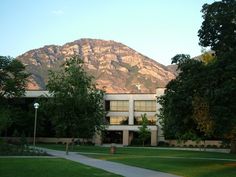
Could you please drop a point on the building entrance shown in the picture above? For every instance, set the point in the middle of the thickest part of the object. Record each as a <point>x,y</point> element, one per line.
<point>113,137</point>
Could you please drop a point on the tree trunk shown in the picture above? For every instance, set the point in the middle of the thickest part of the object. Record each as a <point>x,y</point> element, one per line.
<point>67,148</point>
<point>73,143</point>
<point>233,147</point>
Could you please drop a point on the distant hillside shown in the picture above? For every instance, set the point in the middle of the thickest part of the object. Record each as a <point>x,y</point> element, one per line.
<point>173,69</point>
<point>116,67</point>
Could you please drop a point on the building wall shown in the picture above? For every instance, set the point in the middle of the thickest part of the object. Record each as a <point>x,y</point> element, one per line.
<point>156,133</point>
<point>159,92</point>
<point>36,93</point>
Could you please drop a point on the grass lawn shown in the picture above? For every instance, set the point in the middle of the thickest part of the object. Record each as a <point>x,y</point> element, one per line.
<point>183,163</point>
<point>47,167</point>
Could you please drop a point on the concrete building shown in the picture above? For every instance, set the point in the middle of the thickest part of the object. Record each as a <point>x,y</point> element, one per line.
<point>124,116</point>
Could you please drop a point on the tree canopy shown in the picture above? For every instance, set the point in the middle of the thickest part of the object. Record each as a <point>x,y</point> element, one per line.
<point>76,106</point>
<point>201,101</point>
<point>12,77</point>
<point>218,30</point>
<point>177,111</point>
<point>144,131</point>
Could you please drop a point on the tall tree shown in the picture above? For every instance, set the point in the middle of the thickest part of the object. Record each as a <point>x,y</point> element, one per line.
<point>77,105</point>
<point>218,29</point>
<point>202,99</point>
<point>5,119</point>
<point>177,110</point>
<point>13,79</point>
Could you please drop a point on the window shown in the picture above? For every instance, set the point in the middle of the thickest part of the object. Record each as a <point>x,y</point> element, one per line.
<point>117,120</point>
<point>151,120</point>
<point>145,105</point>
<point>119,105</point>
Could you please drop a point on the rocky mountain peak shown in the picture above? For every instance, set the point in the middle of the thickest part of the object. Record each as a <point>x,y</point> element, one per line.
<point>115,66</point>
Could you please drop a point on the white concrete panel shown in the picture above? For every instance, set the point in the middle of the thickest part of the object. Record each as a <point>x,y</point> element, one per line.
<point>35,94</point>
<point>127,127</point>
<point>131,110</point>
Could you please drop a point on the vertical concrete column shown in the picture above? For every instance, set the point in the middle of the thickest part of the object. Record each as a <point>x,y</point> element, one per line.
<point>159,92</point>
<point>154,138</point>
<point>131,110</point>
<point>125,137</point>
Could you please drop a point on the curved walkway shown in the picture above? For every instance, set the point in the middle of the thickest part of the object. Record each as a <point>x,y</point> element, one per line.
<point>113,167</point>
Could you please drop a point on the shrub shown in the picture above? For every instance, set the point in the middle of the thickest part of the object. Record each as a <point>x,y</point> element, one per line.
<point>19,150</point>
<point>225,144</point>
<point>214,146</point>
<point>163,144</point>
<point>201,146</point>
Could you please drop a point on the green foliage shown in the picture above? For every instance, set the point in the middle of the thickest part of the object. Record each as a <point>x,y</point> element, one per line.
<point>218,32</point>
<point>202,115</point>
<point>222,95</point>
<point>23,140</point>
<point>201,101</point>
<point>12,77</point>
<point>218,28</point>
<point>21,114</point>
<point>5,118</point>
<point>77,106</point>
<point>12,84</point>
<point>15,133</point>
<point>19,150</point>
<point>176,112</point>
<point>144,132</point>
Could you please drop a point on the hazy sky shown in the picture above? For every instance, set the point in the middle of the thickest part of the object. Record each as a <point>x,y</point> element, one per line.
<point>158,29</point>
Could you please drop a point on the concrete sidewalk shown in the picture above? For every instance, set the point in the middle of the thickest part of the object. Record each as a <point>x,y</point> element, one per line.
<point>113,167</point>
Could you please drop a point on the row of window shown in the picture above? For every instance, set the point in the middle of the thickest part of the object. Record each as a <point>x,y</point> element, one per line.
<point>123,105</point>
<point>142,106</point>
<point>123,120</point>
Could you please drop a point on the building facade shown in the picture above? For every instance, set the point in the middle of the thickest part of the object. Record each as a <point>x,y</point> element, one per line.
<point>124,117</point>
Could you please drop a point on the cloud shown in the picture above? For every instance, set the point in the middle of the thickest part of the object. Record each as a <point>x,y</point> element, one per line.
<point>57,12</point>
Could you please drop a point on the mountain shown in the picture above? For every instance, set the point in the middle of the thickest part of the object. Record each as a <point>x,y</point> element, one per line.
<point>116,67</point>
<point>173,68</point>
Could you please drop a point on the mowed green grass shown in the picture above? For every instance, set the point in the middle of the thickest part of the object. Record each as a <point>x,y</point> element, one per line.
<point>183,167</point>
<point>47,167</point>
<point>183,163</point>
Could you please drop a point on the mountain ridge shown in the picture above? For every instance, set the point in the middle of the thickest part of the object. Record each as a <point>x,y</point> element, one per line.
<point>116,67</point>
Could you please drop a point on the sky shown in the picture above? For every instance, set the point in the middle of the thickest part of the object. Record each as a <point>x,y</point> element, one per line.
<point>158,29</point>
